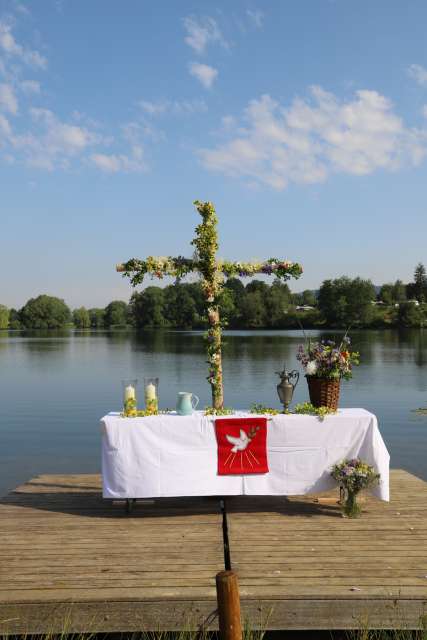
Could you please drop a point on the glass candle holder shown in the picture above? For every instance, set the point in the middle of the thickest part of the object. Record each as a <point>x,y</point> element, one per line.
<point>129,397</point>
<point>151,394</point>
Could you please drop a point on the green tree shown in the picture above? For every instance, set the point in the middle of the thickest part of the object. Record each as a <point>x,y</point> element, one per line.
<point>186,311</point>
<point>45,312</point>
<point>196,292</point>
<point>180,308</point>
<point>257,285</point>
<point>236,286</point>
<point>345,301</point>
<point>297,299</point>
<point>399,291</point>
<point>147,308</point>
<point>116,314</point>
<point>97,318</point>
<point>410,315</point>
<point>386,294</point>
<point>4,317</point>
<point>308,298</point>
<point>359,297</point>
<point>420,282</point>
<point>227,307</point>
<point>253,310</point>
<point>14,319</point>
<point>278,285</point>
<point>276,302</point>
<point>81,318</point>
<point>393,293</point>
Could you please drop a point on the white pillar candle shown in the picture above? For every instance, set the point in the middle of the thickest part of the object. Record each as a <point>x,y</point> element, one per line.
<point>129,393</point>
<point>150,392</point>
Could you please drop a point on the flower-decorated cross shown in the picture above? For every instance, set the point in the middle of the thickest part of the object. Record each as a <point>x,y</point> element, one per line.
<point>213,272</point>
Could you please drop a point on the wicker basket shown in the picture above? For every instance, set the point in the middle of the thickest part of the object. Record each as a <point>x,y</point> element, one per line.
<point>324,392</point>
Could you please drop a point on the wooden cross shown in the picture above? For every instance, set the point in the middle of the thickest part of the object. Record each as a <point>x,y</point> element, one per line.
<point>213,272</point>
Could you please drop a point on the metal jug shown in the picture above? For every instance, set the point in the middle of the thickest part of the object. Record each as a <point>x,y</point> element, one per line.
<point>285,388</point>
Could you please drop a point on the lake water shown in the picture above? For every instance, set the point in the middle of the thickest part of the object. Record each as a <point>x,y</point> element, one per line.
<point>54,387</point>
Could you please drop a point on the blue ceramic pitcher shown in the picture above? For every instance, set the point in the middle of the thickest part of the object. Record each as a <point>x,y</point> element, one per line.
<point>186,403</point>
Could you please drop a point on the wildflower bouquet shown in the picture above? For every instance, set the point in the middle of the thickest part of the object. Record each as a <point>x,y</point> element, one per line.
<point>327,360</point>
<point>325,363</point>
<point>353,476</point>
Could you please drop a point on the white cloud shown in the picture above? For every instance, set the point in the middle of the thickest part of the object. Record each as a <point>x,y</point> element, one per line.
<point>21,8</point>
<point>418,73</point>
<point>30,86</point>
<point>3,70</point>
<point>11,48</point>
<point>8,159</point>
<point>202,32</point>
<point>131,162</point>
<point>204,73</point>
<point>175,107</point>
<point>256,17</point>
<point>108,163</point>
<point>5,128</point>
<point>8,101</point>
<point>153,108</point>
<point>228,122</point>
<point>188,107</point>
<point>53,143</point>
<point>312,139</point>
<point>133,133</point>
<point>59,135</point>
<point>111,163</point>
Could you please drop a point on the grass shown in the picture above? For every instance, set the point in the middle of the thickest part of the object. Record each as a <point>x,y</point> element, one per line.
<point>248,634</point>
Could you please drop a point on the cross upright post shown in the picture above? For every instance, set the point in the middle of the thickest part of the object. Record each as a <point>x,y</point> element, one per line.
<point>212,273</point>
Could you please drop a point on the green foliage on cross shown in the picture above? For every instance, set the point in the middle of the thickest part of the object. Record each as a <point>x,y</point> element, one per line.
<point>212,272</point>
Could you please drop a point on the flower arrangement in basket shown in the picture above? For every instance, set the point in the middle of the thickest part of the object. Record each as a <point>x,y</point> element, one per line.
<point>353,476</point>
<point>325,364</point>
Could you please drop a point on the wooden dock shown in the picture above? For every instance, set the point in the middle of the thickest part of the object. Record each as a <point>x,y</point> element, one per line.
<point>70,561</point>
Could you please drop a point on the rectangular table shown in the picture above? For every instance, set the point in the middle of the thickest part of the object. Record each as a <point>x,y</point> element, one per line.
<point>170,455</point>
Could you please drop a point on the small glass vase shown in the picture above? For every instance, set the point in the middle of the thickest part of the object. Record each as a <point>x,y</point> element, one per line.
<point>351,508</point>
<point>129,397</point>
<point>151,394</point>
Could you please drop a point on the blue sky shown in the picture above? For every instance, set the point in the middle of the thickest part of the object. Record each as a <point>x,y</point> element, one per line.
<point>305,122</point>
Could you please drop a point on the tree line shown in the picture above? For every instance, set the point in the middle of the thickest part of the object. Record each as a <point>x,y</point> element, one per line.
<point>339,302</point>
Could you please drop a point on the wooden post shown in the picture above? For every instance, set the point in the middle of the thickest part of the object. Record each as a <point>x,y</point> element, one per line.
<point>214,333</point>
<point>227,593</point>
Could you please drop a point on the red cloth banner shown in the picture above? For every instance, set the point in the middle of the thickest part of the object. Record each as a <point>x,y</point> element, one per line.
<point>242,445</point>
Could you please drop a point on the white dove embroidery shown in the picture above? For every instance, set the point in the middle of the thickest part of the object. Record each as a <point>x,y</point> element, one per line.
<point>241,443</point>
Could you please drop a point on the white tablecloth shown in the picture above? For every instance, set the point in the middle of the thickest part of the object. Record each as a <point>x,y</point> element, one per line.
<point>170,455</point>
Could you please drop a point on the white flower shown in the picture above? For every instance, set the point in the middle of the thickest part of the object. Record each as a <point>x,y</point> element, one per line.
<point>311,368</point>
